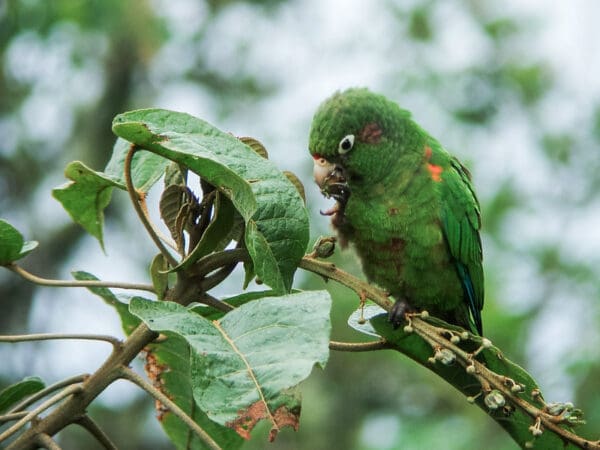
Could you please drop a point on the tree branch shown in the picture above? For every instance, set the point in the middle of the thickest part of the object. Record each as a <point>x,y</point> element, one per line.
<point>76,405</point>
<point>78,283</point>
<point>330,271</point>
<point>9,417</point>
<point>360,346</point>
<point>47,390</point>
<point>130,375</point>
<point>56,336</point>
<point>47,442</point>
<point>92,427</point>
<point>215,261</point>
<point>447,352</point>
<point>73,389</point>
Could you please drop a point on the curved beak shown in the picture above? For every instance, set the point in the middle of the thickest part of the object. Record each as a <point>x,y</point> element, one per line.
<point>330,178</point>
<point>322,170</point>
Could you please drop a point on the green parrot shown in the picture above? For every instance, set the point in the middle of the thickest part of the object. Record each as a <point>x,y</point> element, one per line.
<point>404,202</point>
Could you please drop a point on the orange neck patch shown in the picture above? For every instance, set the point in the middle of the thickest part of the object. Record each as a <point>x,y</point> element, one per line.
<point>434,169</point>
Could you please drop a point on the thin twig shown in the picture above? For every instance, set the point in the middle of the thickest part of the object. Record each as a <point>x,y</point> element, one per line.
<point>94,429</point>
<point>359,346</point>
<point>330,271</point>
<point>47,390</point>
<point>130,375</point>
<point>213,280</point>
<point>214,302</point>
<point>47,442</point>
<point>143,216</point>
<point>9,417</point>
<point>78,283</point>
<point>217,260</point>
<point>73,389</point>
<point>54,336</point>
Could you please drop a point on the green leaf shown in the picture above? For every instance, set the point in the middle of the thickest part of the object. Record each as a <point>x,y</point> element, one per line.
<point>86,196</point>
<point>128,321</point>
<point>14,393</point>
<point>89,192</point>
<point>276,219</point>
<point>244,365</point>
<point>159,275</point>
<point>146,168</point>
<point>168,367</point>
<point>12,244</point>
<point>516,422</point>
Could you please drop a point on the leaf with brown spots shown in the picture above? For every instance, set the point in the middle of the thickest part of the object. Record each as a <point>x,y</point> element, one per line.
<point>245,366</point>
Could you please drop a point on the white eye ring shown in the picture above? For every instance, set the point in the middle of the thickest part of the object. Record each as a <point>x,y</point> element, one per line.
<point>346,144</point>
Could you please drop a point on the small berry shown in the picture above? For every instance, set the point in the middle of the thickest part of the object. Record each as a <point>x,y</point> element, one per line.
<point>445,356</point>
<point>494,400</point>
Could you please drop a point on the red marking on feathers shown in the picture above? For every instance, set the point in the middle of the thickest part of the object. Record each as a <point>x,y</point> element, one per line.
<point>317,156</point>
<point>371,133</point>
<point>435,171</point>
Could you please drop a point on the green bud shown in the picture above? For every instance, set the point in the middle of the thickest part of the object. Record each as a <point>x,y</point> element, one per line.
<point>324,247</point>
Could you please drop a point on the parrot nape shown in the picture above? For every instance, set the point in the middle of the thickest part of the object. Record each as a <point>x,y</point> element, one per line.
<point>404,202</point>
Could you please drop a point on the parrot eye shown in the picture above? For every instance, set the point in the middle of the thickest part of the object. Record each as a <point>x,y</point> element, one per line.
<point>346,144</point>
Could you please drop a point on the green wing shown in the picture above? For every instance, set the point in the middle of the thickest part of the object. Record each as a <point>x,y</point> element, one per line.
<point>461,222</point>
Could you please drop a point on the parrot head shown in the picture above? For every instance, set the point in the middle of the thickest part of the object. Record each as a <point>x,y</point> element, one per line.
<point>354,139</point>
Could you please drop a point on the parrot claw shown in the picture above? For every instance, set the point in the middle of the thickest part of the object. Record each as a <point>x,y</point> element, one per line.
<point>398,313</point>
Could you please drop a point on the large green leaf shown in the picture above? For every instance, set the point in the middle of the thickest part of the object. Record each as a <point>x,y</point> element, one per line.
<point>276,219</point>
<point>245,365</point>
<point>514,421</point>
<point>14,393</point>
<point>12,244</point>
<point>169,368</point>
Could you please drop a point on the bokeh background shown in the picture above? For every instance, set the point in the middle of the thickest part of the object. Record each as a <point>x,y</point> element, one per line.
<point>512,88</point>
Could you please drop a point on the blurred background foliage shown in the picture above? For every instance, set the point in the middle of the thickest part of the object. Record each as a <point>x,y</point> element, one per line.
<point>511,87</point>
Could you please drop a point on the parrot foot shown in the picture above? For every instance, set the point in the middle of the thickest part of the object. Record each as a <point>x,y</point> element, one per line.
<point>398,313</point>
